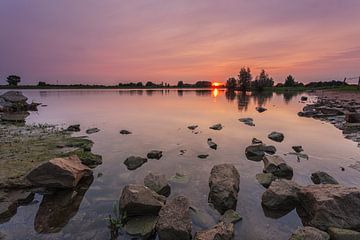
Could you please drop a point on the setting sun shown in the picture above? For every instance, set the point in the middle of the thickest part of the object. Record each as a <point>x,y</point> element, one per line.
<point>216,84</point>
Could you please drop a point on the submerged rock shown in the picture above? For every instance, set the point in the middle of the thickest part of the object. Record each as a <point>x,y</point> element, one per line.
<point>260,109</point>
<point>180,178</point>
<point>92,130</point>
<point>143,227</point>
<point>256,152</point>
<point>125,132</point>
<point>88,158</point>
<point>230,216</point>
<point>134,162</point>
<point>59,173</point>
<point>217,126</point>
<point>202,218</point>
<point>309,233</point>
<point>74,128</point>
<point>330,205</point>
<point>277,166</point>
<point>158,183</point>
<point>224,187</point>
<point>223,231</point>
<point>10,200</point>
<point>247,121</point>
<point>174,220</point>
<point>281,195</point>
<point>322,178</point>
<point>265,179</point>
<point>276,136</point>
<point>343,234</point>
<point>138,200</point>
<point>211,144</point>
<point>155,154</point>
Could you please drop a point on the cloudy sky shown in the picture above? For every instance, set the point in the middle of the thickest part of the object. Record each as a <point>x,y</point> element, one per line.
<point>111,41</point>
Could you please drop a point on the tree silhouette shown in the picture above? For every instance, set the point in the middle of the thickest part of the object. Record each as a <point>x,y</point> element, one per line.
<point>244,79</point>
<point>13,80</point>
<point>289,81</point>
<point>262,81</point>
<point>231,83</point>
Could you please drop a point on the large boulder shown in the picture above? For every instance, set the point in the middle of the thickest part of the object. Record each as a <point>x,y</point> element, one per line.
<point>322,178</point>
<point>224,187</point>
<point>59,173</point>
<point>158,183</point>
<point>330,205</point>
<point>309,233</point>
<point>343,234</point>
<point>14,97</point>
<point>256,152</point>
<point>138,200</point>
<point>174,220</point>
<point>277,166</point>
<point>142,227</point>
<point>223,231</point>
<point>281,195</point>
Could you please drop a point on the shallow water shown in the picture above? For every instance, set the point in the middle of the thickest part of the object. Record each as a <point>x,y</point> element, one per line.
<point>159,120</point>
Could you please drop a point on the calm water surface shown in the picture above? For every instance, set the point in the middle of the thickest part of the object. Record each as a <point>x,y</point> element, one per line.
<point>159,120</point>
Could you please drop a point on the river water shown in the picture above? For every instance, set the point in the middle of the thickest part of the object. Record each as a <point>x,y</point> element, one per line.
<point>158,120</point>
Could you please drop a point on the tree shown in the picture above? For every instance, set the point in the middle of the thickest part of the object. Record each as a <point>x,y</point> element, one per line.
<point>231,83</point>
<point>139,84</point>
<point>13,80</point>
<point>289,81</point>
<point>42,84</point>
<point>262,81</point>
<point>244,79</point>
<point>180,84</point>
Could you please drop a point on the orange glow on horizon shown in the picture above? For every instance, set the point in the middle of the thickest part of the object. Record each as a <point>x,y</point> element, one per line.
<point>217,84</point>
<point>215,92</point>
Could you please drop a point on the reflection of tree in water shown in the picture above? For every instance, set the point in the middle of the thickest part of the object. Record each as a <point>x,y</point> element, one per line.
<point>180,93</point>
<point>56,210</point>
<point>261,98</point>
<point>243,101</point>
<point>202,93</point>
<point>230,95</point>
<point>289,95</point>
<point>131,92</point>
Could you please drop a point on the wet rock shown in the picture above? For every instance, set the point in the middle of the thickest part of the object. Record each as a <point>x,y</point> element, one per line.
<point>322,178</point>
<point>134,162</point>
<point>74,128</point>
<point>256,141</point>
<point>203,156</point>
<point>330,205</point>
<point>256,152</point>
<point>10,200</point>
<point>92,130</point>
<point>14,116</point>
<point>265,179</point>
<point>174,220</point>
<point>352,117</point>
<point>221,231</point>
<point>276,136</point>
<point>304,98</point>
<point>230,216</point>
<point>281,195</point>
<point>211,144</point>
<point>59,173</point>
<point>224,187</point>
<point>217,126</point>
<point>309,233</point>
<point>192,127</point>
<point>277,166</point>
<point>58,208</point>
<point>298,149</point>
<point>143,227</point>
<point>343,234</point>
<point>158,183</point>
<point>138,200</point>
<point>88,158</point>
<point>247,121</point>
<point>125,132</point>
<point>202,218</point>
<point>155,154</point>
<point>260,109</point>
<point>14,97</point>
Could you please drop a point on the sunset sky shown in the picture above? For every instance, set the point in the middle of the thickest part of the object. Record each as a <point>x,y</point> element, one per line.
<point>112,41</point>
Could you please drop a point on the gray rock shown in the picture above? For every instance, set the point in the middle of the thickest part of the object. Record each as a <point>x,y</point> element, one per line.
<point>230,216</point>
<point>192,127</point>
<point>224,187</point>
<point>281,195</point>
<point>247,121</point>
<point>330,205</point>
<point>59,173</point>
<point>155,154</point>
<point>125,132</point>
<point>256,141</point>
<point>260,109</point>
<point>14,116</point>
<point>138,200</point>
<point>211,144</point>
<point>217,126</point>
<point>10,200</point>
<point>256,152</point>
<point>143,227</point>
<point>309,233</point>
<point>74,128</point>
<point>276,136</point>
<point>203,156</point>
<point>202,218</point>
<point>174,220</point>
<point>298,149</point>
<point>343,234</point>
<point>92,130</point>
<point>14,97</point>
<point>277,166</point>
<point>221,231</point>
<point>134,162</point>
<point>322,178</point>
<point>158,183</point>
<point>265,179</point>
